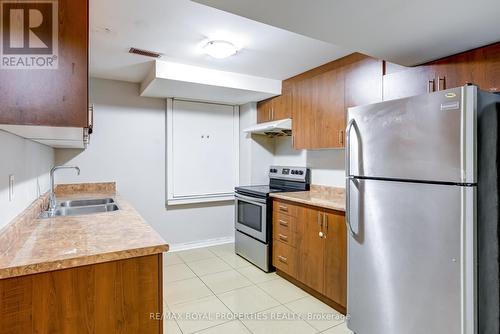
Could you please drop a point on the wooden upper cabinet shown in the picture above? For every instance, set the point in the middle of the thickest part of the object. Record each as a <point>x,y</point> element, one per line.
<point>51,96</point>
<point>310,246</point>
<point>492,68</point>
<point>328,104</point>
<point>282,108</point>
<point>318,111</point>
<point>335,285</point>
<point>277,108</point>
<point>479,66</point>
<point>321,97</point>
<point>264,111</point>
<point>304,122</point>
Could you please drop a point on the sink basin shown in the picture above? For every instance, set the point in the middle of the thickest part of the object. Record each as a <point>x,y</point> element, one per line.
<point>86,202</point>
<point>79,210</point>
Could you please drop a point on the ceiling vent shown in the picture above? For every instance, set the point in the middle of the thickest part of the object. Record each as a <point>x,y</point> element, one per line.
<point>145,53</point>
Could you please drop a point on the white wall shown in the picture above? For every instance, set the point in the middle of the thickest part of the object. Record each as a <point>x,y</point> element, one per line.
<point>256,152</point>
<point>327,166</point>
<point>30,164</point>
<point>128,146</point>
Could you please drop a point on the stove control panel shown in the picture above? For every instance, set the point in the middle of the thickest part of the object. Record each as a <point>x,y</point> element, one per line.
<point>289,173</point>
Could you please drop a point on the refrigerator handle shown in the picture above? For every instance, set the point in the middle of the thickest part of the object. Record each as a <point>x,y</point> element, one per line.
<point>350,125</point>
<point>348,176</point>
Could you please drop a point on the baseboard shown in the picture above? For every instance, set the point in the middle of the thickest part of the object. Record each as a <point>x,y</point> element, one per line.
<point>200,244</point>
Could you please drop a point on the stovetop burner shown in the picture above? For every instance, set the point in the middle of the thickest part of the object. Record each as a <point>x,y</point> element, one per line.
<point>262,190</point>
<point>281,179</point>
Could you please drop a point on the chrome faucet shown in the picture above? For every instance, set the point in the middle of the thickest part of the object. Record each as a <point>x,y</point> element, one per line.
<point>52,195</point>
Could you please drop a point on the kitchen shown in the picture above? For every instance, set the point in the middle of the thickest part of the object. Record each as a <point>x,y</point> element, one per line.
<point>204,187</point>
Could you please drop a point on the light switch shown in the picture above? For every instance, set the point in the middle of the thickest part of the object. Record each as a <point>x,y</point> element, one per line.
<point>11,187</point>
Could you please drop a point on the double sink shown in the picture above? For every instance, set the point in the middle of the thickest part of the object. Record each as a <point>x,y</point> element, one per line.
<point>81,207</point>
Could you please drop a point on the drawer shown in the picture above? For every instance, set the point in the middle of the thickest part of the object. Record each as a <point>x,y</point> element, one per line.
<point>284,229</point>
<point>285,208</point>
<point>284,222</point>
<point>284,258</point>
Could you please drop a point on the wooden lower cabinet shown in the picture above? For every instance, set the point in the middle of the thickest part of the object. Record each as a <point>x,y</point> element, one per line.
<point>311,248</point>
<point>105,298</point>
<point>316,259</point>
<point>336,258</point>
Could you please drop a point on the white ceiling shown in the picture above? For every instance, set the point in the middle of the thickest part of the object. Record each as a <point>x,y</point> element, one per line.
<point>406,32</point>
<point>176,28</point>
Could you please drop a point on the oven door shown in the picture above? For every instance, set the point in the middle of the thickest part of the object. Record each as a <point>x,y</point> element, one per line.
<point>251,216</point>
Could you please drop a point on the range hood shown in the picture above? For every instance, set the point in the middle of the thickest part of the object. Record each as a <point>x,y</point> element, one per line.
<point>282,127</point>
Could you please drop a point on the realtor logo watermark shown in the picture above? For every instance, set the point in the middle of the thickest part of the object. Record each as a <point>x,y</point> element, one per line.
<point>29,34</point>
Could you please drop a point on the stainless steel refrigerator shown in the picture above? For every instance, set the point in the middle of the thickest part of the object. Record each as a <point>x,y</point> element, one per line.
<point>412,215</point>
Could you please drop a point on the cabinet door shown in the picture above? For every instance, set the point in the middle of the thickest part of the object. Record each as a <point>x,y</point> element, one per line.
<point>492,68</point>
<point>282,104</point>
<point>310,248</point>
<point>264,111</point>
<point>56,96</point>
<point>328,108</point>
<point>304,121</point>
<point>409,82</point>
<point>335,286</point>
<point>458,70</point>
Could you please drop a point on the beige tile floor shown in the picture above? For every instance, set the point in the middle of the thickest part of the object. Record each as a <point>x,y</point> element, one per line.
<point>213,291</point>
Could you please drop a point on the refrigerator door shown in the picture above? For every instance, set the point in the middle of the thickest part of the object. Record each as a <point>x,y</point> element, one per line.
<point>411,258</point>
<point>429,137</point>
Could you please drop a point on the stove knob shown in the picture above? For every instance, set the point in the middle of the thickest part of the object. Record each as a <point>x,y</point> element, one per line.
<point>301,172</point>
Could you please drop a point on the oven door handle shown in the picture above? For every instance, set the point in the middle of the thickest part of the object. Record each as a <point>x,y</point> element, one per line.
<point>253,200</point>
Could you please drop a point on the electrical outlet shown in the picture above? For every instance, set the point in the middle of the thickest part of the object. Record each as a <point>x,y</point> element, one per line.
<point>11,187</point>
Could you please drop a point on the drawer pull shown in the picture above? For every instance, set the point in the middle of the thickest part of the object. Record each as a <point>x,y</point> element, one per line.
<point>283,208</point>
<point>282,259</point>
<point>283,237</point>
<point>283,223</point>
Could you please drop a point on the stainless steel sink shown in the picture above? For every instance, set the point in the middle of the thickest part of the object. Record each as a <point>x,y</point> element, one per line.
<point>86,202</point>
<point>79,210</point>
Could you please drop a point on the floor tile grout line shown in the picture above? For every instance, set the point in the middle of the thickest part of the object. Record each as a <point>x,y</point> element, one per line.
<point>252,284</point>
<point>319,331</point>
<point>222,304</point>
<point>214,294</point>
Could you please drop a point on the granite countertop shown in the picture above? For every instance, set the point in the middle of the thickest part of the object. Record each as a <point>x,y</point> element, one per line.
<point>321,196</point>
<point>29,245</point>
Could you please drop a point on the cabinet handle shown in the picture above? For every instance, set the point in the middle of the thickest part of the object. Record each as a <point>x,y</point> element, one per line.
<point>282,259</point>
<point>441,79</point>
<point>283,237</point>
<point>283,208</point>
<point>283,223</point>
<point>90,118</point>
<point>431,86</point>
<point>322,235</point>
<point>341,137</point>
<point>325,217</point>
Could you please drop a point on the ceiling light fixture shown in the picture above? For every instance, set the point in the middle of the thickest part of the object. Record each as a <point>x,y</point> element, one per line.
<point>220,49</point>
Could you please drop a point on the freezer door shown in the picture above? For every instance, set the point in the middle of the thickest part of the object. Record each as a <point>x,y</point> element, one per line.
<point>411,258</point>
<point>429,137</point>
